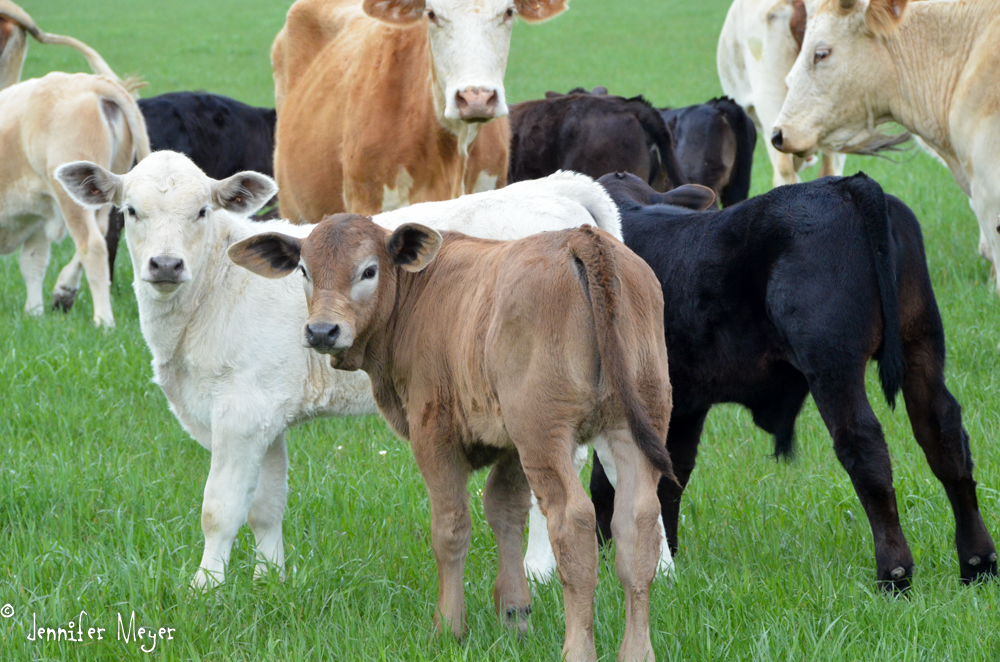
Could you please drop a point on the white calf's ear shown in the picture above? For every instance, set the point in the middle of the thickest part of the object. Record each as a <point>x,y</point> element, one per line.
<point>271,254</point>
<point>90,185</point>
<point>413,246</point>
<point>397,12</point>
<point>243,193</point>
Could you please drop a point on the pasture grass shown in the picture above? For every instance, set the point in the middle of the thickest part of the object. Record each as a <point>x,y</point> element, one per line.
<point>100,489</point>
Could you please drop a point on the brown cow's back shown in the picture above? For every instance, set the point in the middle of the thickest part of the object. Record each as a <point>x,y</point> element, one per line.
<point>356,120</point>
<point>521,339</point>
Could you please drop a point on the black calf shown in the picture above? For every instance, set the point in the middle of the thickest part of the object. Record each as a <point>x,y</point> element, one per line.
<point>794,292</point>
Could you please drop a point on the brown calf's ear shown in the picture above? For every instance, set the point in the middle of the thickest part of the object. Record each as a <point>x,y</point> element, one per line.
<point>243,193</point>
<point>396,12</point>
<point>884,16</point>
<point>689,196</point>
<point>540,10</point>
<point>798,23</point>
<point>271,254</point>
<point>90,185</point>
<point>413,246</point>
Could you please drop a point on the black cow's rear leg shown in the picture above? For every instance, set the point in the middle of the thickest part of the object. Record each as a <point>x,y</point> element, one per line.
<point>861,449</point>
<point>682,442</point>
<point>937,424</point>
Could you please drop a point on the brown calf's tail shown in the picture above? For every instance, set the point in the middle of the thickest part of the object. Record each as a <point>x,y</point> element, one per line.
<point>116,92</point>
<point>594,257</point>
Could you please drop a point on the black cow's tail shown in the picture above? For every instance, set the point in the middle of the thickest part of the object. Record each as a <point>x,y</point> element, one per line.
<point>654,126</point>
<point>597,269</point>
<point>875,219</point>
<point>738,188</point>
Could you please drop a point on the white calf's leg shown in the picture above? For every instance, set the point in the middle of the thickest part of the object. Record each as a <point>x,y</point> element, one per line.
<point>539,559</point>
<point>34,260</point>
<point>603,451</point>
<point>229,493</point>
<point>268,509</point>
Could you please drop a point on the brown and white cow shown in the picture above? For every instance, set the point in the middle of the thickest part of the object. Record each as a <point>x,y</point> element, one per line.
<point>508,354</point>
<point>45,122</point>
<point>930,66</point>
<point>385,103</point>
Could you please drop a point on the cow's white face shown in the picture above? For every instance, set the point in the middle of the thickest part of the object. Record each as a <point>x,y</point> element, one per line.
<point>833,84</point>
<point>469,42</point>
<point>168,204</point>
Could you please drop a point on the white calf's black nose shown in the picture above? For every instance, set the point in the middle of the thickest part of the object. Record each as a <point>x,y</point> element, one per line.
<point>163,268</point>
<point>322,336</point>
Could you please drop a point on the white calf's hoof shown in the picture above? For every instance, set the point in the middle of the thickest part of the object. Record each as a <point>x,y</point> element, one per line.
<point>34,311</point>
<point>102,323</point>
<point>540,570</point>
<point>204,580</point>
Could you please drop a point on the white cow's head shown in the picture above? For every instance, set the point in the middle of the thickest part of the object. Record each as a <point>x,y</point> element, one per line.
<point>840,71</point>
<point>469,42</point>
<point>169,204</point>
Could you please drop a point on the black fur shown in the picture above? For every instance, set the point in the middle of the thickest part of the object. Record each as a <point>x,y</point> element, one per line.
<point>792,293</point>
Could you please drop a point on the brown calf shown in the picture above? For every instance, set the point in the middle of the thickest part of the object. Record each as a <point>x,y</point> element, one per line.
<point>505,353</point>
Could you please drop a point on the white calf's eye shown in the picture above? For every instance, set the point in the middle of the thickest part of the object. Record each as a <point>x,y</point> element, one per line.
<point>202,212</point>
<point>369,273</point>
<point>821,54</point>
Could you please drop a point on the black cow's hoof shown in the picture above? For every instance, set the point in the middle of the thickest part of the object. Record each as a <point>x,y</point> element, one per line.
<point>63,299</point>
<point>979,568</point>
<point>897,581</point>
<point>516,618</point>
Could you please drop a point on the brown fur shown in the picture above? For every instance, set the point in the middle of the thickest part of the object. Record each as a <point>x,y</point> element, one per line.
<point>355,107</point>
<point>526,348</point>
<point>798,23</point>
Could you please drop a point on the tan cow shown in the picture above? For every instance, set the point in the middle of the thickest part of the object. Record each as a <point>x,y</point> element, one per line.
<point>931,66</point>
<point>386,103</point>
<point>45,122</point>
<point>15,24</point>
<point>508,354</point>
<point>757,48</point>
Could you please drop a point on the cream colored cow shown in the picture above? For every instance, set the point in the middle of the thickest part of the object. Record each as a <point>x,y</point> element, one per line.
<point>931,66</point>
<point>45,122</point>
<point>757,48</point>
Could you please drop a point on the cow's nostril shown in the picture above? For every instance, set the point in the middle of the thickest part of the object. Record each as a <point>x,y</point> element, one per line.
<point>777,139</point>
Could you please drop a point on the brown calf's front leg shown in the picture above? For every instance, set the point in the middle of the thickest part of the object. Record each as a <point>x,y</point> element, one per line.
<point>446,474</point>
<point>506,500</point>
<point>547,458</point>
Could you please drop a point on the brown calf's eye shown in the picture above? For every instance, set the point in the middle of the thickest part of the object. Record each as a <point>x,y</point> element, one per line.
<point>369,273</point>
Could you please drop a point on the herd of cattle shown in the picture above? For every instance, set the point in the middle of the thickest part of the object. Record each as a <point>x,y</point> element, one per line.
<point>509,285</point>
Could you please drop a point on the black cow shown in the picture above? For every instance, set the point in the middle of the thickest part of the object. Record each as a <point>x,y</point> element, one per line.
<point>793,293</point>
<point>594,134</point>
<point>714,143</point>
<point>221,135</point>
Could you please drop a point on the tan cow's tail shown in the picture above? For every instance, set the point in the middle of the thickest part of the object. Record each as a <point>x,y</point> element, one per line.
<point>596,266</point>
<point>116,92</point>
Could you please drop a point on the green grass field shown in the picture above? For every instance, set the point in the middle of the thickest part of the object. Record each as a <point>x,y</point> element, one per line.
<point>100,489</point>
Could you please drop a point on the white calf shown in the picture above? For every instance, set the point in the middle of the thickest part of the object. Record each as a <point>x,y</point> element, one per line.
<point>45,122</point>
<point>227,346</point>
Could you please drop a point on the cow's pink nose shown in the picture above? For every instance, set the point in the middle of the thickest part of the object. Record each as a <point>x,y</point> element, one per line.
<point>476,104</point>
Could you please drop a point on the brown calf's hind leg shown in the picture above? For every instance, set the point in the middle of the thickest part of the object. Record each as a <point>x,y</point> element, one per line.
<point>506,500</point>
<point>636,529</point>
<point>937,425</point>
<point>546,456</point>
<point>446,474</point>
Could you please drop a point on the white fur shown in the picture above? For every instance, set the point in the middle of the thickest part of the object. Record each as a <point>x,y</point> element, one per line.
<point>228,346</point>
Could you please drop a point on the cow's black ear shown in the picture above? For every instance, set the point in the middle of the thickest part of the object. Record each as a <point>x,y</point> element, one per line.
<point>271,254</point>
<point>413,246</point>
<point>689,196</point>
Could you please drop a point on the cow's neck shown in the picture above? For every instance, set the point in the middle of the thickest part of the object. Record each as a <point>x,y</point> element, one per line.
<point>930,53</point>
